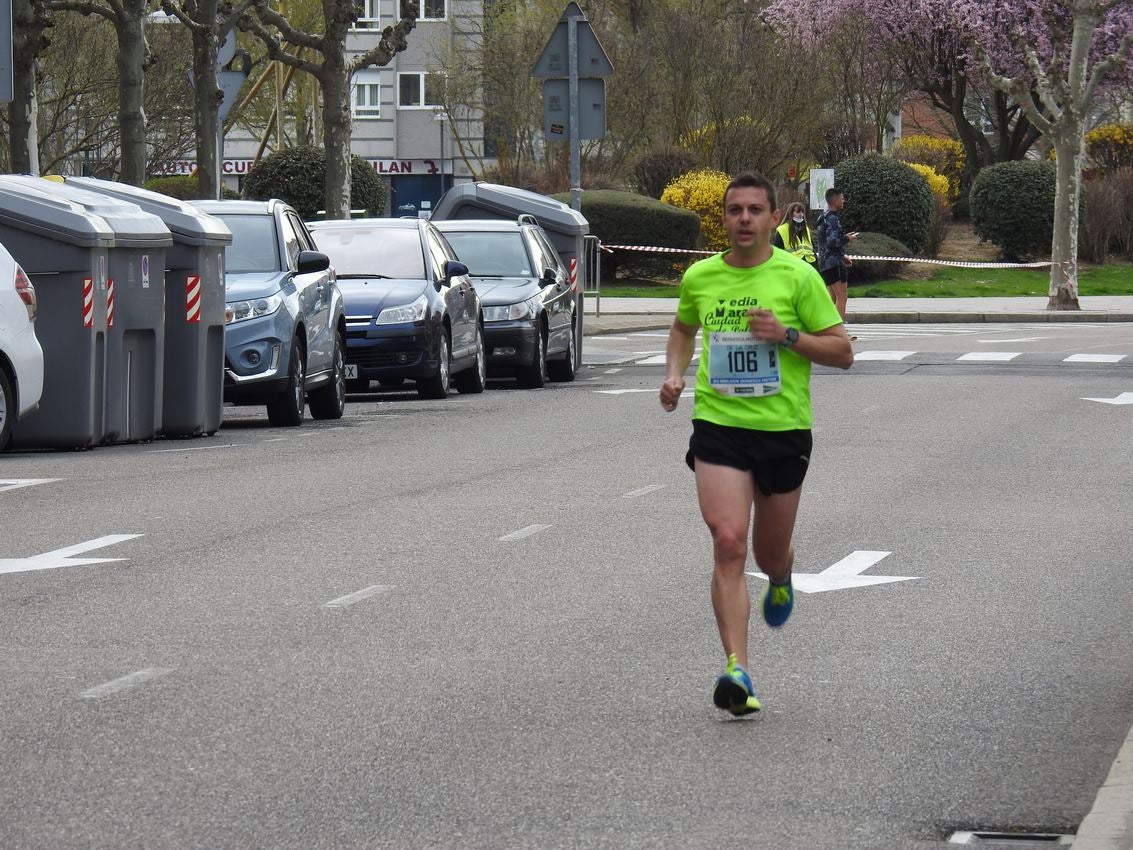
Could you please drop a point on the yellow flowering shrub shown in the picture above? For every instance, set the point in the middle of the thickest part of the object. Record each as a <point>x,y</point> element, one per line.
<point>1110,146</point>
<point>702,192</point>
<point>944,156</point>
<point>937,182</point>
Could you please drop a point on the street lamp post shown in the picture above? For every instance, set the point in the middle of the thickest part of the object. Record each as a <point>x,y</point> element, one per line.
<point>439,115</point>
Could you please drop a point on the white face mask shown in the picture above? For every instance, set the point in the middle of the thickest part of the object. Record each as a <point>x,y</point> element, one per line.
<point>798,219</point>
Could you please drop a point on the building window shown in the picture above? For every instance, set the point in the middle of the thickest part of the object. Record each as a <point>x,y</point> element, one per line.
<point>419,90</point>
<point>370,18</point>
<point>430,10</point>
<point>367,99</point>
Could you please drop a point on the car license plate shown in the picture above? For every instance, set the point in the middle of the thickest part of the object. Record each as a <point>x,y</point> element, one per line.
<point>351,371</point>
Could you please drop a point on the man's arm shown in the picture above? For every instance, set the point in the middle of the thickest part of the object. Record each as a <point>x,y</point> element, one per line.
<point>830,347</point>
<point>678,355</point>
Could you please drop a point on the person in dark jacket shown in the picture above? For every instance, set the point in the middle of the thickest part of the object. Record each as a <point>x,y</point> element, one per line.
<point>833,263</point>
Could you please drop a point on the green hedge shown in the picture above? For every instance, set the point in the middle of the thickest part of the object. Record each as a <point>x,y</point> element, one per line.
<point>298,176</point>
<point>183,187</point>
<point>623,218</point>
<point>884,195</point>
<point>877,245</point>
<point>1012,206</point>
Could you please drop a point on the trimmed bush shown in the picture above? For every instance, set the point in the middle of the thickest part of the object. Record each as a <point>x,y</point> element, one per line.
<point>884,195</point>
<point>183,187</point>
<point>623,218</point>
<point>702,192</point>
<point>659,167</point>
<point>1110,146</point>
<point>876,245</point>
<point>298,176</point>
<point>1012,206</point>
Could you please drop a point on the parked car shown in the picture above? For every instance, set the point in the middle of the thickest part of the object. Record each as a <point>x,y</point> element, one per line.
<point>411,311</point>
<point>285,327</point>
<point>529,306</point>
<point>21,358</point>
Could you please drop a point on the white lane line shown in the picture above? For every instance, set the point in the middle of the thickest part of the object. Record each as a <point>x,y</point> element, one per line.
<point>123,682</point>
<point>613,371</point>
<point>656,336</point>
<point>603,338</point>
<point>659,360</point>
<point>1020,339</point>
<point>990,356</point>
<point>1094,358</point>
<point>194,449</point>
<point>276,440</point>
<point>633,494</point>
<point>524,532</point>
<point>882,355</point>
<point>357,596</point>
<point>7,484</point>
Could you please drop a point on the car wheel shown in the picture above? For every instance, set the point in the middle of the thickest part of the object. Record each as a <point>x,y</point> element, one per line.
<point>563,370</point>
<point>437,385</point>
<point>472,381</point>
<point>329,402</point>
<point>7,409</point>
<point>534,375</point>
<point>287,407</point>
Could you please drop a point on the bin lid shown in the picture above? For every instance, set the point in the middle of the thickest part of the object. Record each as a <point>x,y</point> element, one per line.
<point>133,227</point>
<point>492,200</point>
<point>26,207</point>
<point>189,225</point>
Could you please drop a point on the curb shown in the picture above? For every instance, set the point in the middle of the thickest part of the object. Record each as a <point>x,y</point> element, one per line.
<point>1109,825</point>
<point>890,317</point>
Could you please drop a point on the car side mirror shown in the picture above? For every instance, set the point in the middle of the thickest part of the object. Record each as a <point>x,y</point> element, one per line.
<point>312,261</point>
<point>454,268</point>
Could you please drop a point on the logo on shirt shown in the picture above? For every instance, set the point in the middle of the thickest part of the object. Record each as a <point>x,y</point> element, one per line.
<point>729,314</point>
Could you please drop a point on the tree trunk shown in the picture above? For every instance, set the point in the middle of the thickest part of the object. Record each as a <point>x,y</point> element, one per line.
<point>336,138</point>
<point>206,96</point>
<point>131,90</point>
<point>1070,148</point>
<point>27,39</point>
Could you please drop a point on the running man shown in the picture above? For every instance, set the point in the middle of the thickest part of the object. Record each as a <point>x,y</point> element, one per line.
<point>766,318</point>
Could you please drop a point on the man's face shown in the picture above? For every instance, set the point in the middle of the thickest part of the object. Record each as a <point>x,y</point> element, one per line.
<point>837,202</point>
<point>748,217</point>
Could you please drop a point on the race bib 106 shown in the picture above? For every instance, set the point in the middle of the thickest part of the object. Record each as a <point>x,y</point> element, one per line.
<point>739,365</point>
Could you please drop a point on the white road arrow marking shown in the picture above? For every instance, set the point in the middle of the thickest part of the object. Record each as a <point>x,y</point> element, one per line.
<point>1124,398</point>
<point>844,574</point>
<point>65,557</point>
<point>15,483</point>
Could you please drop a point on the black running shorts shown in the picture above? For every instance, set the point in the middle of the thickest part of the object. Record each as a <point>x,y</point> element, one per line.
<point>777,460</point>
<point>835,274</point>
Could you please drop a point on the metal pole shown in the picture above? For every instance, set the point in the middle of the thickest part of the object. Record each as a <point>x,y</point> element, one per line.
<point>575,148</point>
<point>219,155</point>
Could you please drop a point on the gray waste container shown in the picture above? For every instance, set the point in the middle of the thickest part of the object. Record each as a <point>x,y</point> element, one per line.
<point>135,308</point>
<point>193,393</point>
<point>64,250</point>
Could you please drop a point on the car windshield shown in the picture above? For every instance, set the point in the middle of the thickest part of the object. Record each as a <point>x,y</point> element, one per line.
<point>254,247</point>
<point>373,251</point>
<point>491,254</point>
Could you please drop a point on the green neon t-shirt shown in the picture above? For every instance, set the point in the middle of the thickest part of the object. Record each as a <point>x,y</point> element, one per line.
<point>717,296</point>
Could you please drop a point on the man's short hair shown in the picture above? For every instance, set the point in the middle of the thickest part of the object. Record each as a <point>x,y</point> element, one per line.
<point>751,180</point>
<point>832,193</point>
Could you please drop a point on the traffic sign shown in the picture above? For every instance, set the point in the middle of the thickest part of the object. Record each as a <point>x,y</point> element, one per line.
<point>554,60</point>
<point>591,109</point>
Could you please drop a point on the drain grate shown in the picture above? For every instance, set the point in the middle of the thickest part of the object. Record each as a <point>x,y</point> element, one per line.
<point>1011,839</point>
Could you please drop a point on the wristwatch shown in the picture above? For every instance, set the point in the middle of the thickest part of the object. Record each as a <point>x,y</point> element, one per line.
<point>791,338</point>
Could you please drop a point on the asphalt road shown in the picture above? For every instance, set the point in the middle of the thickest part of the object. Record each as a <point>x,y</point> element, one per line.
<point>484,622</point>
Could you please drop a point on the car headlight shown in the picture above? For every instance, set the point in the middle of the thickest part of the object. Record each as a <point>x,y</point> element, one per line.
<point>512,312</point>
<point>241,311</point>
<point>414,312</point>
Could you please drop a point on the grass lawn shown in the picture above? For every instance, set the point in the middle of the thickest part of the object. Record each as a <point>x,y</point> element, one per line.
<point>945,282</point>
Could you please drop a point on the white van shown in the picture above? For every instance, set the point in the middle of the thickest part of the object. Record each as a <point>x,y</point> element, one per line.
<point>21,358</point>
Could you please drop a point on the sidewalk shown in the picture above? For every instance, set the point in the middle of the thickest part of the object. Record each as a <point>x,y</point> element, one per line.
<point>617,315</point>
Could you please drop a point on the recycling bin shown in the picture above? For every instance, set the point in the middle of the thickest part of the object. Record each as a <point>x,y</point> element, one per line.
<point>135,312</point>
<point>64,249</point>
<point>193,391</point>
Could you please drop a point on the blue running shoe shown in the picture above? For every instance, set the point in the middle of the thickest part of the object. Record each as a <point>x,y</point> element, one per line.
<point>734,691</point>
<point>777,604</point>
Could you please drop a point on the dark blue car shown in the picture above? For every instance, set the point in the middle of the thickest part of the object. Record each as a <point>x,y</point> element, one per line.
<point>411,311</point>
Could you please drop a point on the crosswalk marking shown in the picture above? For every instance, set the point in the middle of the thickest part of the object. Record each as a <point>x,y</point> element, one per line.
<point>882,355</point>
<point>1094,358</point>
<point>990,356</point>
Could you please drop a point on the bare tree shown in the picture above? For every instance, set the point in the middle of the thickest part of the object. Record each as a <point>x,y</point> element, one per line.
<point>334,73</point>
<point>29,22</point>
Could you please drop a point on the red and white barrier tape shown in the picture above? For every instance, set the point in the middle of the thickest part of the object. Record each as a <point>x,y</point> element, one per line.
<point>957,263</point>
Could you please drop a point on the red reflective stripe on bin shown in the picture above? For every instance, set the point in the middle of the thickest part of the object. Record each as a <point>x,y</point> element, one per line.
<point>574,274</point>
<point>193,298</point>
<point>110,302</point>
<point>88,302</point>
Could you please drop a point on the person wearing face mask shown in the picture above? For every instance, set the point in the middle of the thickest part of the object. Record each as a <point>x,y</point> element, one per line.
<point>794,235</point>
